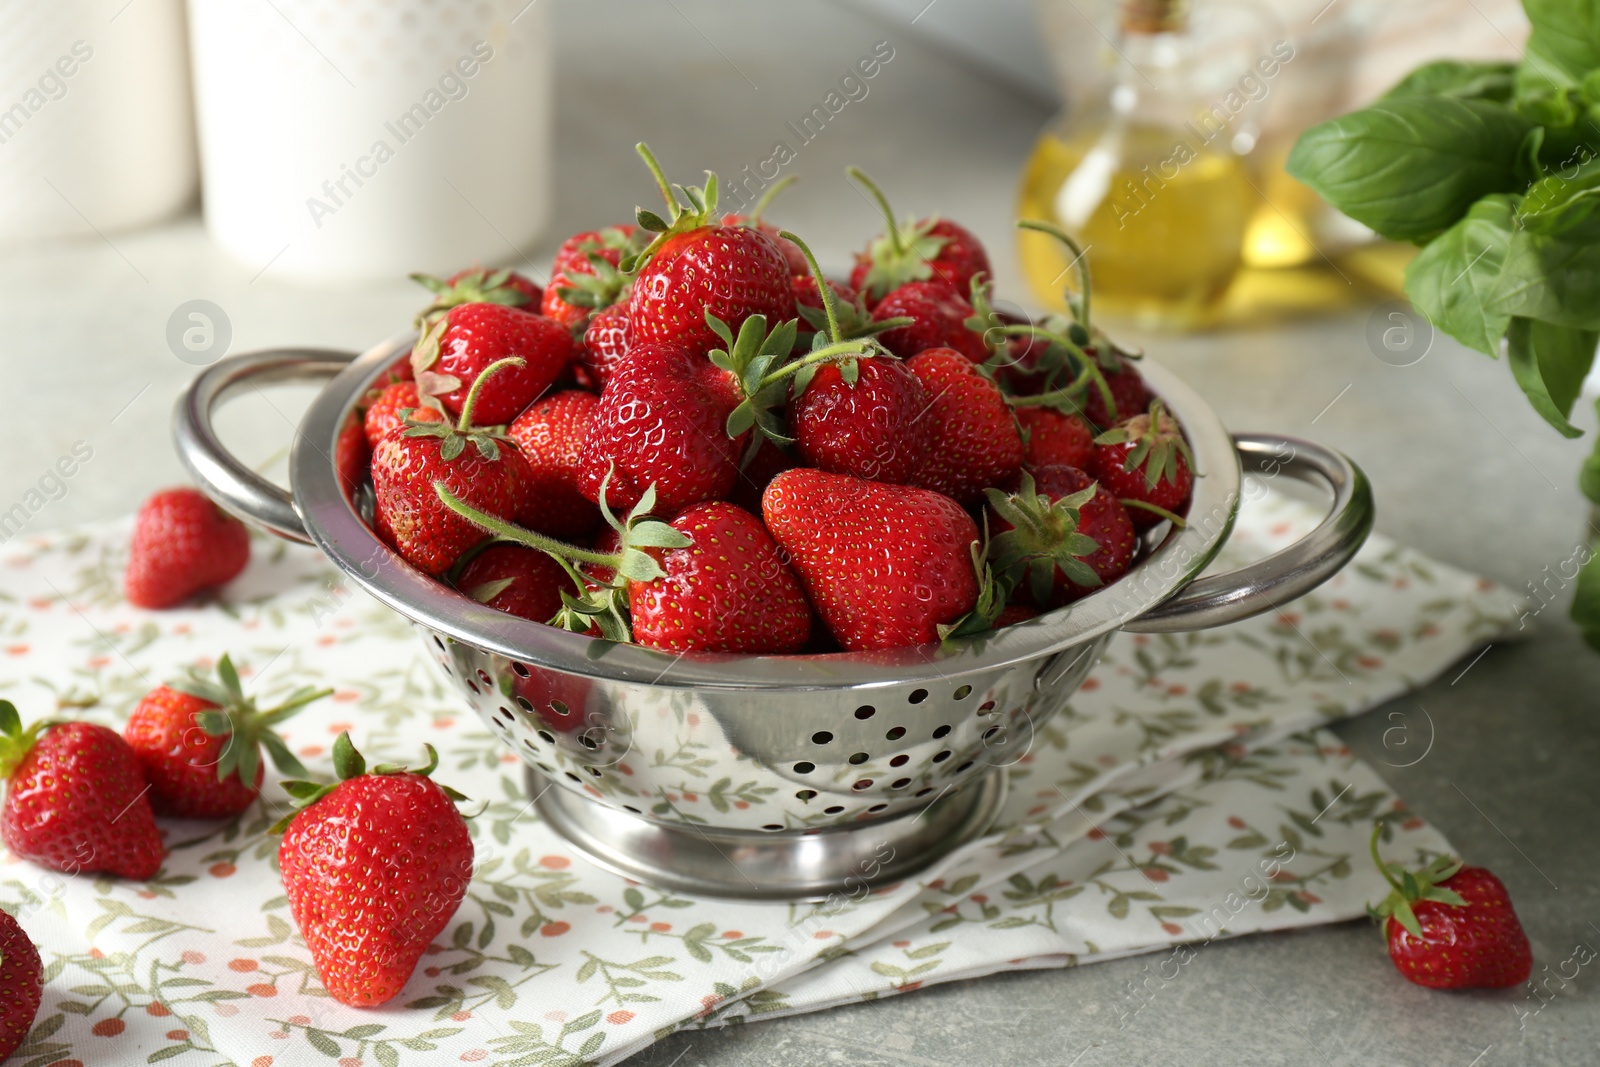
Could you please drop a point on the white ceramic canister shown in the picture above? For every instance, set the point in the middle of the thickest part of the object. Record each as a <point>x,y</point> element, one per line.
<point>359,139</point>
<point>95,128</point>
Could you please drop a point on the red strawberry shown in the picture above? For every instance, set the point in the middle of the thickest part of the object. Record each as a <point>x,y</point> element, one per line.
<point>449,358</point>
<point>388,409</point>
<point>757,472</point>
<point>938,320</point>
<point>727,590</point>
<point>551,434</point>
<point>933,249</point>
<point>1098,517</point>
<point>182,544</point>
<point>877,427</point>
<point>1129,394</point>
<point>352,456</point>
<point>1147,464</point>
<point>75,800</point>
<point>1013,614</point>
<point>973,439</point>
<point>375,867</point>
<point>516,580</point>
<point>472,462</point>
<point>199,744</point>
<point>1052,439</point>
<point>884,565</point>
<point>21,986</point>
<point>580,286</point>
<point>806,293</point>
<point>1450,926</point>
<point>605,344</point>
<point>475,285</point>
<point>693,269</point>
<point>791,252</point>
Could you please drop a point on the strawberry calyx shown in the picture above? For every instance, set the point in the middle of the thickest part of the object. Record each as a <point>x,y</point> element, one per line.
<point>16,742</point>
<point>993,592</point>
<point>454,438</point>
<point>903,253</point>
<point>476,286</point>
<point>1062,355</point>
<point>985,321</point>
<point>1410,887</point>
<point>701,209</point>
<point>843,322</point>
<point>607,285</point>
<point>750,358</point>
<point>235,716</point>
<point>1157,443</point>
<point>1044,537</point>
<point>347,764</point>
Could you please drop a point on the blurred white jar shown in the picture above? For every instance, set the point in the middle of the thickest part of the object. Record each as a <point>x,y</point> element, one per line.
<point>95,128</point>
<point>366,139</point>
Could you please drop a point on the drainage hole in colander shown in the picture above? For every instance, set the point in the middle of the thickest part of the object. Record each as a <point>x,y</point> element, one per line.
<point>866,711</point>
<point>941,731</point>
<point>963,767</point>
<point>990,732</point>
<point>924,791</point>
<point>588,742</point>
<point>918,696</point>
<point>986,707</point>
<point>865,783</point>
<point>630,807</point>
<point>859,758</point>
<point>771,827</point>
<point>876,808</point>
<point>547,737</point>
<point>900,760</point>
<point>505,713</point>
<point>529,745</point>
<point>439,643</point>
<point>821,737</point>
<point>472,685</point>
<point>804,768</point>
<point>525,704</point>
<point>962,692</point>
<point>594,771</point>
<point>940,757</point>
<point>896,734</point>
<point>546,768</point>
<point>836,809</point>
<point>574,777</point>
<point>560,707</point>
<point>805,794</point>
<point>483,676</point>
<point>899,783</point>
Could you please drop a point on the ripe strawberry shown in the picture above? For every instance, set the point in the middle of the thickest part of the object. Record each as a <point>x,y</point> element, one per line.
<point>875,427</point>
<point>406,464</point>
<point>973,439</point>
<point>1147,464</point>
<point>727,590</point>
<point>75,800</point>
<point>551,433</point>
<point>182,544</point>
<point>1038,537</point>
<point>791,252</point>
<point>1052,439</point>
<point>933,249</point>
<point>375,867</point>
<point>388,410</point>
<point>1129,394</point>
<point>693,269</point>
<point>199,744</point>
<point>605,344</point>
<point>584,276</point>
<point>1015,613</point>
<point>1100,518</point>
<point>938,317</point>
<point>352,456</point>
<point>884,565</point>
<point>516,580</point>
<point>475,285</point>
<point>757,472</point>
<point>21,985</point>
<point>1450,926</point>
<point>806,293</point>
<point>450,357</point>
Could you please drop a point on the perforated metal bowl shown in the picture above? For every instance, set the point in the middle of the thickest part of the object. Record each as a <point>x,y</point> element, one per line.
<point>768,777</point>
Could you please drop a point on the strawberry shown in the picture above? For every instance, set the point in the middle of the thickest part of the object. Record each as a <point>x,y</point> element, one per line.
<point>407,463</point>
<point>352,456</point>
<point>475,285</point>
<point>199,744</point>
<point>375,867</point>
<point>1054,439</point>
<point>727,590</point>
<point>605,343</point>
<point>1013,614</point>
<point>551,433</point>
<point>515,580</point>
<point>974,440</point>
<point>757,472</point>
<point>75,800</point>
<point>1099,517</point>
<point>21,986</point>
<point>884,565</point>
<point>694,269</point>
<point>182,544</point>
<point>938,317</point>
<point>1129,394</point>
<point>584,277</point>
<point>388,411</point>
<point>1147,464</point>
<point>451,355</point>
<point>930,250</point>
<point>791,252</point>
<point>873,425</point>
<point>1451,927</point>
<point>806,293</point>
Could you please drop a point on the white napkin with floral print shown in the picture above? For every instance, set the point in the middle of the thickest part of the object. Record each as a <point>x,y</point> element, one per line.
<point>1188,793</point>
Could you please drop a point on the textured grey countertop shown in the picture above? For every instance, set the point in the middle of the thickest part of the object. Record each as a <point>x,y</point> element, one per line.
<point>1463,470</point>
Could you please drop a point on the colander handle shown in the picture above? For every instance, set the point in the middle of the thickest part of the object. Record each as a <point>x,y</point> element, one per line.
<point>1288,573</point>
<point>217,471</point>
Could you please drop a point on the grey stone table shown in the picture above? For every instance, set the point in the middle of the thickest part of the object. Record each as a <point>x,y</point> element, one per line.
<point>1463,470</point>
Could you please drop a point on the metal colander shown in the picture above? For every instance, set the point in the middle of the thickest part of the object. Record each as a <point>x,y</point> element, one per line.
<point>768,777</point>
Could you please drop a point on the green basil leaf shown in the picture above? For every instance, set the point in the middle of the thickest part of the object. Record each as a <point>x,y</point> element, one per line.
<point>1409,168</point>
<point>1464,79</point>
<point>1564,46</point>
<point>1589,473</point>
<point>1586,602</point>
<point>1552,279</point>
<point>1550,362</point>
<point>1452,279</point>
<point>1563,201</point>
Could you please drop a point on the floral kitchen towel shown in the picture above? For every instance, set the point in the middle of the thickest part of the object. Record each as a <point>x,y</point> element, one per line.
<point>1187,794</point>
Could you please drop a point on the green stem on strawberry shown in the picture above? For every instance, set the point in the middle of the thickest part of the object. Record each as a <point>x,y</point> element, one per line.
<point>453,439</point>
<point>830,299</point>
<point>771,194</point>
<point>464,423</point>
<point>347,764</point>
<point>236,716</point>
<point>1412,886</point>
<point>14,740</point>
<point>1087,367</point>
<point>1154,509</point>
<point>674,209</point>
<point>1377,860</point>
<point>702,208</point>
<point>860,178</point>
<point>1080,263</point>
